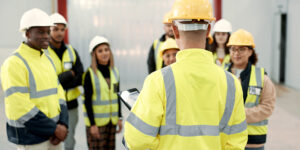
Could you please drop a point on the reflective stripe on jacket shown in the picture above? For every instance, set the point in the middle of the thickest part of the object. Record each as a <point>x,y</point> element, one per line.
<point>105,98</point>
<point>192,104</point>
<point>32,91</point>
<point>68,60</point>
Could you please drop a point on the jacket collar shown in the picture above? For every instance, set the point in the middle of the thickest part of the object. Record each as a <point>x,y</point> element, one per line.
<point>24,48</point>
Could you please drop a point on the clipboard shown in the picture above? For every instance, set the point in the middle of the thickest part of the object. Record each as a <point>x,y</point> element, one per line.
<point>129,97</point>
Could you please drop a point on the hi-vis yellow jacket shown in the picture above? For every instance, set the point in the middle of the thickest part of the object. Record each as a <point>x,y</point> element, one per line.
<point>34,99</point>
<point>68,59</point>
<point>192,104</point>
<point>105,99</point>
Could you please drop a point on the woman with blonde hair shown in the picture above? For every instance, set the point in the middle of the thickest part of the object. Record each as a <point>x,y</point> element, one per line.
<point>102,109</point>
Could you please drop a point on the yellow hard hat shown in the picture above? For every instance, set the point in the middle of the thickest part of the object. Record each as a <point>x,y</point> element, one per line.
<point>241,37</point>
<point>168,44</point>
<point>192,9</point>
<point>167,18</point>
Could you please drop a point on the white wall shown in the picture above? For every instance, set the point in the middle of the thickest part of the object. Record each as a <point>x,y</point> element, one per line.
<point>10,15</point>
<point>293,42</point>
<point>130,25</point>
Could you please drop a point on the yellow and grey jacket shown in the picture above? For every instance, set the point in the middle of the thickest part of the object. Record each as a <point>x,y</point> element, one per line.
<point>34,98</point>
<point>191,104</point>
<point>252,79</point>
<point>65,59</point>
<point>105,103</point>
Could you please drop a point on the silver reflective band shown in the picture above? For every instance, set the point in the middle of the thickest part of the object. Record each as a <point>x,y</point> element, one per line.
<point>230,100</point>
<point>32,86</point>
<point>105,102</point>
<point>16,89</point>
<point>190,26</point>
<point>237,128</point>
<point>142,126</point>
<point>189,130</point>
<point>249,105</point>
<point>20,122</point>
<point>115,73</point>
<point>258,82</point>
<point>262,123</point>
<point>156,50</point>
<point>70,53</point>
<point>103,115</point>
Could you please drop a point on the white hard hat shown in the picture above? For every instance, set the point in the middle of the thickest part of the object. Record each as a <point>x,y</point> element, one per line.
<point>34,18</point>
<point>58,18</point>
<point>96,41</point>
<point>222,26</point>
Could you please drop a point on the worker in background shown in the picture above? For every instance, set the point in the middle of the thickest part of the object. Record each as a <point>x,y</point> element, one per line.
<point>69,70</point>
<point>258,90</point>
<point>222,30</point>
<point>192,104</point>
<point>154,61</point>
<point>168,52</point>
<point>35,105</point>
<point>102,109</point>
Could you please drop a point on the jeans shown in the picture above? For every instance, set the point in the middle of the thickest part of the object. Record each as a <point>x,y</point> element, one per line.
<point>73,119</point>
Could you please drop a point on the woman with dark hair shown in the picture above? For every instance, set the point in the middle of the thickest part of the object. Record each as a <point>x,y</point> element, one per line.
<point>258,90</point>
<point>102,109</point>
<point>221,35</point>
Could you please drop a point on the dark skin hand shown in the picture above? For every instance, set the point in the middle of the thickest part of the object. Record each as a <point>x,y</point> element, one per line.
<point>61,132</point>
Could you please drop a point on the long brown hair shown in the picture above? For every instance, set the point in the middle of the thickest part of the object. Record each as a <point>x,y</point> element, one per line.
<point>94,63</point>
<point>253,58</point>
<point>214,45</point>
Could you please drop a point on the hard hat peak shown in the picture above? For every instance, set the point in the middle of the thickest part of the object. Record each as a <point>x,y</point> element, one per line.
<point>168,44</point>
<point>34,18</point>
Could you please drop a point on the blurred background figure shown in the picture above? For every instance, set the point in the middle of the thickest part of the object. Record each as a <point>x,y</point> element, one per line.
<point>154,61</point>
<point>102,109</point>
<point>69,70</point>
<point>258,90</point>
<point>209,41</point>
<point>221,34</point>
<point>168,52</point>
<point>35,105</point>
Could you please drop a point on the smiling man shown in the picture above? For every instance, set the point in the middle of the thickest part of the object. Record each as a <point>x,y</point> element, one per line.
<point>69,70</point>
<point>35,104</point>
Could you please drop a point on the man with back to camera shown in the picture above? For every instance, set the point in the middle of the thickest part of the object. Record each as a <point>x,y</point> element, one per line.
<point>193,103</point>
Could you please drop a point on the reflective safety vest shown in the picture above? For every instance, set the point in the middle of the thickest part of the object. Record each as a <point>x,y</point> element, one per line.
<point>104,98</point>
<point>157,45</point>
<point>226,60</point>
<point>256,84</point>
<point>29,86</point>
<point>174,112</point>
<point>68,60</point>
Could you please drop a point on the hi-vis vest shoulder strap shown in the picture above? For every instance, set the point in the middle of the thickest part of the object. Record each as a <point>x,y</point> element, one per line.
<point>104,99</point>
<point>226,60</point>
<point>158,60</point>
<point>256,85</point>
<point>172,128</point>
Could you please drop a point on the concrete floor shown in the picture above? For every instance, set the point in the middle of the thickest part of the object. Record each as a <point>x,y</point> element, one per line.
<point>283,126</point>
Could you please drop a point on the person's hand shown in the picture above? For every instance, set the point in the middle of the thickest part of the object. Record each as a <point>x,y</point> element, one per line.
<point>120,124</point>
<point>54,140</point>
<point>61,132</point>
<point>95,132</point>
<point>73,73</point>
